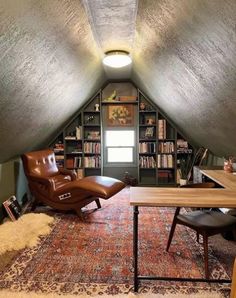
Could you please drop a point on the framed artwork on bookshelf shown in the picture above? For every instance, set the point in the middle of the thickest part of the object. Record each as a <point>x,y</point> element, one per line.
<point>120,115</point>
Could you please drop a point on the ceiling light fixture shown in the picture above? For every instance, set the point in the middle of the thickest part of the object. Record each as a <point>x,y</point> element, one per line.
<point>117,58</point>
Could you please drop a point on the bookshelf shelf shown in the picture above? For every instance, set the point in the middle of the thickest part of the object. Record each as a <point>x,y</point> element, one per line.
<point>119,102</point>
<point>74,153</point>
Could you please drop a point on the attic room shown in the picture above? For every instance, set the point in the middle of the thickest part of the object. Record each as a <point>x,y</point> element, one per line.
<point>127,134</point>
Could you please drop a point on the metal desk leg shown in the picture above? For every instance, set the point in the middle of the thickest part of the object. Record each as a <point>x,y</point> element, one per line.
<point>135,247</point>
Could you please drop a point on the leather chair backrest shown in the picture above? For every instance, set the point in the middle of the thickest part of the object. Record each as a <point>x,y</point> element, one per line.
<point>40,163</point>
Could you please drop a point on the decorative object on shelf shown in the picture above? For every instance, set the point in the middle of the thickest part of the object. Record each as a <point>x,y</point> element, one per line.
<point>112,97</point>
<point>96,106</point>
<point>89,120</point>
<point>117,58</point>
<point>142,106</point>
<point>150,121</point>
<point>120,115</point>
<point>149,133</point>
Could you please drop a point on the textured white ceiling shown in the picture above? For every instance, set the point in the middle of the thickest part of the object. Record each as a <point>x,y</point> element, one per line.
<point>184,58</point>
<point>113,25</point>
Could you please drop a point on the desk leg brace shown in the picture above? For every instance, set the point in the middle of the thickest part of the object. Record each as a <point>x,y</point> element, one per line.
<point>135,247</point>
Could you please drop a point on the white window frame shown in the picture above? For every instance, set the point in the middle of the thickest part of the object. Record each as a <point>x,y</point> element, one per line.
<point>131,146</point>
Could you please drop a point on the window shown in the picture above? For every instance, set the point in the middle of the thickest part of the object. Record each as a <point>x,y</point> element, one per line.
<point>120,146</point>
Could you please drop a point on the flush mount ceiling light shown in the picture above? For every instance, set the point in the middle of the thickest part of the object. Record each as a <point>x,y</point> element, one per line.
<point>117,59</point>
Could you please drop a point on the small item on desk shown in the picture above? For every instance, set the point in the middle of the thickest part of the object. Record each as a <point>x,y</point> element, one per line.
<point>228,165</point>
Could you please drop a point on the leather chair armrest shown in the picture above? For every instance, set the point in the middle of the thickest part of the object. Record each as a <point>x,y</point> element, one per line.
<point>46,181</point>
<point>71,173</point>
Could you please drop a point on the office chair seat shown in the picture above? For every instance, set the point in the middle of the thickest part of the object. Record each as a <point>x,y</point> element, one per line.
<point>207,219</point>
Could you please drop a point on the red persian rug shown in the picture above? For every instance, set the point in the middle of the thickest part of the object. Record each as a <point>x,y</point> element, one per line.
<point>95,256</point>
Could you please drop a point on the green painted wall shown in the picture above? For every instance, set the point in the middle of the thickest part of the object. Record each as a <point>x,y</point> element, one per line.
<point>12,182</point>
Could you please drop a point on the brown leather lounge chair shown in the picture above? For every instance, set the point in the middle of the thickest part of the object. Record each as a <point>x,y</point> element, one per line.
<point>59,189</point>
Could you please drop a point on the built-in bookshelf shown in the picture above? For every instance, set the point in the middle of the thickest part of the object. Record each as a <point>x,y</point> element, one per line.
<point>92,137</point>
<point>147,141</point>
<point>78,147</point>
<point>157,146</point>
<point>160,146</point>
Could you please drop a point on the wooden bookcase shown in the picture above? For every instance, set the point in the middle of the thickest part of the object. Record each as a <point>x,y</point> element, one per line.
<point>157,146</point>
<point>160,146</point>
<point>78,146</point>
<point>92,160</point>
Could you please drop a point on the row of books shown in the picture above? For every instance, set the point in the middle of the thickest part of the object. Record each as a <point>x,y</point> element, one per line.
<point>147,162</point>
<point>147,147</point>
<point>59,160</point>
<point>165,176</point>
<point>90,147</point>
<point>58,147</point>
<point>74,162</point>
<point>165,161</point>
<point>92,161</point>
<point>166,147</point>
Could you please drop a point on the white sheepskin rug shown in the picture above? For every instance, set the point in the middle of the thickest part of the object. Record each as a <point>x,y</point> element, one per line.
<point>24,232</point>
<point>7,294</point>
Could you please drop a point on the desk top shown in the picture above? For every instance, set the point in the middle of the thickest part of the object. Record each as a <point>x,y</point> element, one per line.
<point>227,180</point>
<point>189,197</point>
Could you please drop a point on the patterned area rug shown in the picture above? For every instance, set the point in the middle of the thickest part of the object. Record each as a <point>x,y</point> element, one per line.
<point>95,256</point>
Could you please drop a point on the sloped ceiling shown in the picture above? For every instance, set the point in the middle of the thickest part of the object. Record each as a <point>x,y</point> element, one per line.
<point>49,65</point>
<point>184,58</point>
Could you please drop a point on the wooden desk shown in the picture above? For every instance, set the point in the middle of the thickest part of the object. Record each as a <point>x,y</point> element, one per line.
<point>181,197</point>
<point>227,180</point>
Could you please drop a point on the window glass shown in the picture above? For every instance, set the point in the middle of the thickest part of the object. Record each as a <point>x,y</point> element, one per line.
<point>120,154</point>
<point>120,146</point>
<point>119,138</point>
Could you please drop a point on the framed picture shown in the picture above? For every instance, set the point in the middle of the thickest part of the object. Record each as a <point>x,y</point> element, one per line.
<point>120,115</point>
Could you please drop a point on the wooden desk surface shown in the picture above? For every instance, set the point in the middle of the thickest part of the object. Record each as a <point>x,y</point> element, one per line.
<point>189,197</point>
<point>227,180</point>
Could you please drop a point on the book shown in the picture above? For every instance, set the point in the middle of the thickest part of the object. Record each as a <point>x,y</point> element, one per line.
<point>12,208</point>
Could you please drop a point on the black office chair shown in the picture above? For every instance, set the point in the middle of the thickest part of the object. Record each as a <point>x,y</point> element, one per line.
<point>205,222</point>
